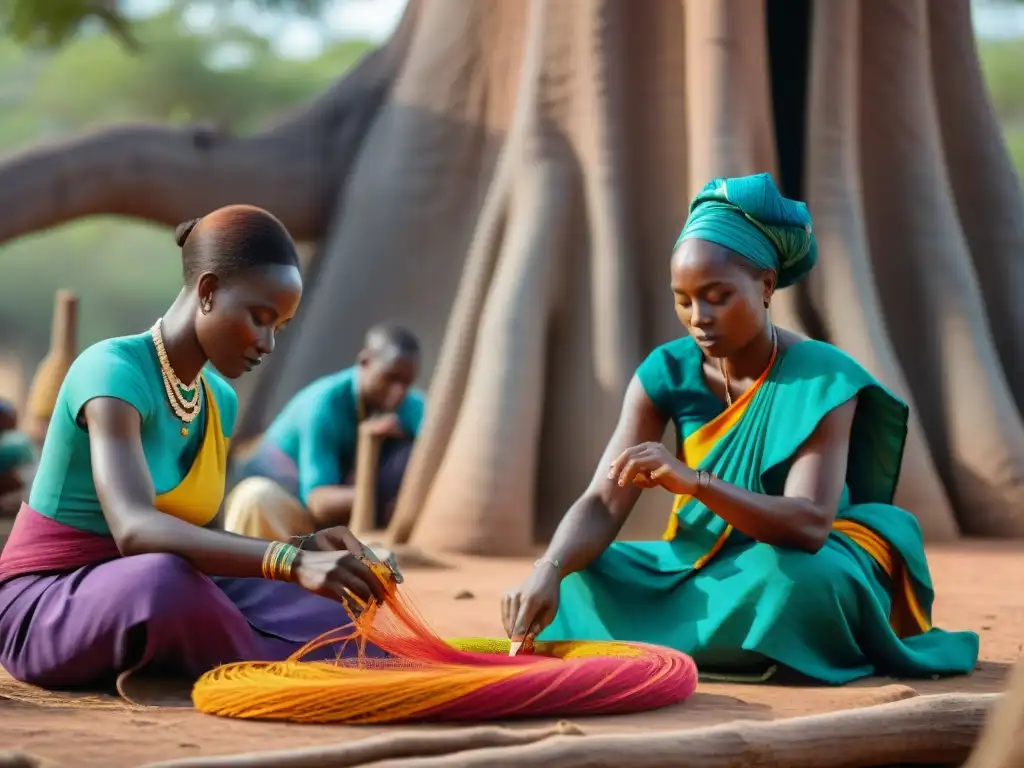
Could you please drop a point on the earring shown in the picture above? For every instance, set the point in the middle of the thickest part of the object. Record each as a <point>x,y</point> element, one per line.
<point>207,305</point>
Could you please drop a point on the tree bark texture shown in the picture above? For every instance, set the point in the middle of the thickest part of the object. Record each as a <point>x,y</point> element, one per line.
<point>508,177</point>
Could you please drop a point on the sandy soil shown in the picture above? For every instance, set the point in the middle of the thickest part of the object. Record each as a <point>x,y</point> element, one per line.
<point>972,582</point>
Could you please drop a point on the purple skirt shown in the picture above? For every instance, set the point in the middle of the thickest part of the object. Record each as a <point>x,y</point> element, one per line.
<point>154,611</point>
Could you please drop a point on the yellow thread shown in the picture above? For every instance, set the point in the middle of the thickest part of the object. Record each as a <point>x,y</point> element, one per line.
<point>422,678</point>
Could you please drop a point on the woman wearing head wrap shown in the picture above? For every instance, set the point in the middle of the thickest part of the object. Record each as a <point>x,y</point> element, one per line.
<point>783,548</point>
<point>110,567</point>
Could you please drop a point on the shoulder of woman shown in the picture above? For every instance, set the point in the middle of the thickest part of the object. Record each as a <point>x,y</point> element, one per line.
<point>122,349</point>
<point>670,358</point>
<point>821,359</point>
<point>830,372</point>
<point>116,367</point>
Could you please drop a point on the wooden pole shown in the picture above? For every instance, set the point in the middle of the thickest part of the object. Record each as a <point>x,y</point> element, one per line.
<point>42,393</point>
<point>364,506</point>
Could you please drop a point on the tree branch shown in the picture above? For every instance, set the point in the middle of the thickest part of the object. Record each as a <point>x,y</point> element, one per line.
<point>167,174</point>
<point>161,174</point>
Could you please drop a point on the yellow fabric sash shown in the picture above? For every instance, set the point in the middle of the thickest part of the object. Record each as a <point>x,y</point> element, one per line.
<point>699,444</point>
<point>905,616</point>
<point>196,499</point>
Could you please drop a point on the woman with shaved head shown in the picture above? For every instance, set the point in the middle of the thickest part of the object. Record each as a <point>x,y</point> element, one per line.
<point>112,566</point>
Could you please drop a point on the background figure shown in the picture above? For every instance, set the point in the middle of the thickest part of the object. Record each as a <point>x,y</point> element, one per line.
<point>300,478</point>
<point>16,456</point>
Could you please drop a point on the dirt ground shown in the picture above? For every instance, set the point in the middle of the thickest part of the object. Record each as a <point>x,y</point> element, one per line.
<point>977,586</point>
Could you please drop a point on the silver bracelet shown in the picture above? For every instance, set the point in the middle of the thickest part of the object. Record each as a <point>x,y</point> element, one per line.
<point>549,561</point>
<point>703,479</point>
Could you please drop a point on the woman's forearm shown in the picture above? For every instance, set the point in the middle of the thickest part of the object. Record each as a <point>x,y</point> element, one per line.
<point>331,504</point>
<point>586,531</point>
<point>778,520</point>
<point>213,552</point>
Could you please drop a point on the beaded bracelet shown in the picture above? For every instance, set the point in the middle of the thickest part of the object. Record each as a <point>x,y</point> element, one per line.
<point>278,561</point>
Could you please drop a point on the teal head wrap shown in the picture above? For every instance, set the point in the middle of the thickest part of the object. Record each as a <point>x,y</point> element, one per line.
<point>750,216</point>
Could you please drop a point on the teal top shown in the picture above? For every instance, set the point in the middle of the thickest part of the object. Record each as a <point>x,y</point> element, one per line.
<point>15,450</point>
<point>128,369</point>
<point>317,428</point>
<point>672,377</point>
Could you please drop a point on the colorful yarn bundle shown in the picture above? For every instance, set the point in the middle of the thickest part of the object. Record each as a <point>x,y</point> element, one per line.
<point>428,679</point>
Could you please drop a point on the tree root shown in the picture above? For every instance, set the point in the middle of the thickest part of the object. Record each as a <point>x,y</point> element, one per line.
<point>449,381</point>
<point>924,730</point>
<point>918,249</point>
<point>168,174</point>
<point>848,287</point>
<point>383,747</point>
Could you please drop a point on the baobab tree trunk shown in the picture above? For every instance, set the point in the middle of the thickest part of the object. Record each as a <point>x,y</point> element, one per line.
<point>508,176</point>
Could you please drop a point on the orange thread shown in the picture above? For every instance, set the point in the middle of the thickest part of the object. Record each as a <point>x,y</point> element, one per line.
<point>428,678</point>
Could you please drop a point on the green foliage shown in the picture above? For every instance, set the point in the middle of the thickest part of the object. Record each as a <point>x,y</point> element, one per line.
<point>52,23</point>
<point>126,272</point>
<point>178,78</point>
<point>1002,61</point>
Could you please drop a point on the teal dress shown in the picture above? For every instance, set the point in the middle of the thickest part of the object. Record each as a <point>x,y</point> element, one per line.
<point>860,606</point>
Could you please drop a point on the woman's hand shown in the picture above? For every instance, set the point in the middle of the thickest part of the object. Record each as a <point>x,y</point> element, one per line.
<point>650,464</point>
<point>330,563</point>
<point>339,575</point>
<point>527,610</point>
<point>337,538</point>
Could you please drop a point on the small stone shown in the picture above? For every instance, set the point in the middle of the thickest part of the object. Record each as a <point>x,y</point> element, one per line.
<point>184,432</point>
<point>464,594</point>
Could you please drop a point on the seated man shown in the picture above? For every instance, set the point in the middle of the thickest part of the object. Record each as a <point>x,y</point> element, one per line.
<point>300,477</point>
<point>16,456</point>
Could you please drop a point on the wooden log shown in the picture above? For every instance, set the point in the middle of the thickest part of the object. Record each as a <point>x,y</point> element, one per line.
<point>383,747</point>
<point>926,730</point>
<point>364,506</point>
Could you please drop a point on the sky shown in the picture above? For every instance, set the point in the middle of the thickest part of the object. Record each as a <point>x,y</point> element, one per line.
<point>297,37</point>
<point>293,36</point>
<point>998,20</point>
